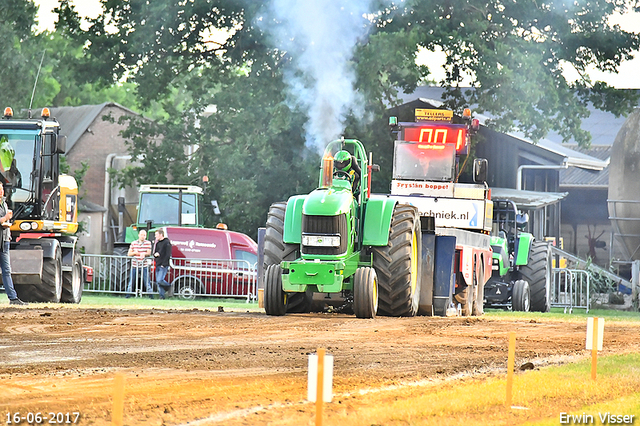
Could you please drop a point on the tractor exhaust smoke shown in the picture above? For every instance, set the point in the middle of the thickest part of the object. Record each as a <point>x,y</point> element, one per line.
<point>320,37</point>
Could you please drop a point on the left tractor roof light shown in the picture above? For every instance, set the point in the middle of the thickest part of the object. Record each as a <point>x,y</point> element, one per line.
<point>46,113</point>
<point>8,112</point>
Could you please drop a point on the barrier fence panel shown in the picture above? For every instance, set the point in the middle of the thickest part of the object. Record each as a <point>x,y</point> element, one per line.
<point>570,289</point>
<point>189,278</point>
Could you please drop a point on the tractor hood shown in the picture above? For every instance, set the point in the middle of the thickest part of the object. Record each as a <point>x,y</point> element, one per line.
<point>498,242</point>
<point>329,201</point>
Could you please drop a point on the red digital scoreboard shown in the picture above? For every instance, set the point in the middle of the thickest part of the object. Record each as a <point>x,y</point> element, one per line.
<point>438,133</point>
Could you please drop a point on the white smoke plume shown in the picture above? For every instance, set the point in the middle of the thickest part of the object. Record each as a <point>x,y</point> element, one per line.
<point>320,36</point>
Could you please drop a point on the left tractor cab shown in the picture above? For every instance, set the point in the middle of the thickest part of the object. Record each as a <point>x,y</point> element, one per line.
<point>45,260</point>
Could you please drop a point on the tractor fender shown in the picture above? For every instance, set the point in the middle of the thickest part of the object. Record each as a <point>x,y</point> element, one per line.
<point>48,246</point>
<point>292,232</point>
<point>522,247</point>
<point>377,220</point>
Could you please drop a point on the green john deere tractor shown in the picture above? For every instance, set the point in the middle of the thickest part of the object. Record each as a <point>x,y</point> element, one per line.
<point>341,240</point>
<point>522,266</point>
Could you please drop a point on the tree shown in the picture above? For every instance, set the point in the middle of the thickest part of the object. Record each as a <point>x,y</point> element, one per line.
<point>19,56</point>
<point>47,65</point>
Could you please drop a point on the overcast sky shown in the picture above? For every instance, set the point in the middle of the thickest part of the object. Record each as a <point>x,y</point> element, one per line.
<point>627,77</point>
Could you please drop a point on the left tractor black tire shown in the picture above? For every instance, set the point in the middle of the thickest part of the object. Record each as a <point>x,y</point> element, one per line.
<point>73,282</point>
<point>276,250</point>
<point>537,272</point>
<point>50,287</point>
<point>275,300</point>
<point>398,265</point>
<point>365,293</point>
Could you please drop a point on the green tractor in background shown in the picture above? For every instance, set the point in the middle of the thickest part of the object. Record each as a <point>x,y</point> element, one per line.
<point>521,265</point>
<point>341,240</point>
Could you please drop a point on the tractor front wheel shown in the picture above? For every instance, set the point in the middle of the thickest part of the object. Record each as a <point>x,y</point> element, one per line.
<point>276,250</point>
<point>365,293</point>
<point>521,296</point>
<point>72,282</point>
<point>275,299</point>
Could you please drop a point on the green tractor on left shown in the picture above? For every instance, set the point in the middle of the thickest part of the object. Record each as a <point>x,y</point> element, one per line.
<point>340,240</point>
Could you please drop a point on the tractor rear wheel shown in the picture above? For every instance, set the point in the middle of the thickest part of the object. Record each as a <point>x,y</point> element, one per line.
<point>276,250</point>
<point>275,300</point>
<point>521,296</point>
<point>537,272</point>
<point>365,293</point>
<point>72,282</point>
<point>50,287</point>
<point>398,264</point>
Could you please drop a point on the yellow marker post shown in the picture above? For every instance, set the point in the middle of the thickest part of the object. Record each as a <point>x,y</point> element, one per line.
<point>594,350</point>
<point>319,388</point>
<point>595,334</point>
<point>118,400</point>
<point>510,365</point>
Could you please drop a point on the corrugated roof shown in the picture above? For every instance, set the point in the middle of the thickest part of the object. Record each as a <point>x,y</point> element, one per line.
<point>527,200</point>
<point>575,177</point>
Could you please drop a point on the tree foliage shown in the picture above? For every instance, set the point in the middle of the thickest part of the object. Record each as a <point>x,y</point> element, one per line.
<point>514,54</point>
<point>48,65</point>
<point>185,56</point>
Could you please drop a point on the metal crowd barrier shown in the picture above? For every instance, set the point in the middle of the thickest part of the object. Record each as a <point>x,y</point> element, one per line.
<point>570,289</point>
<point>189,278</point>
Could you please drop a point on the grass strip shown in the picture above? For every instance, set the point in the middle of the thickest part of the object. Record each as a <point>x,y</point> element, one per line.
<point>539,398</point>
<point>98,301</point>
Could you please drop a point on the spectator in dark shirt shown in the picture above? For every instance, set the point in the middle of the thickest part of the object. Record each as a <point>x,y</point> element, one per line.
<point>162,254</point>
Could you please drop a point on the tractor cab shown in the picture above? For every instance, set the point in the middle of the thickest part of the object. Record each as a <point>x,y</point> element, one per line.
<point>508,223</point>
<point>345,167</point>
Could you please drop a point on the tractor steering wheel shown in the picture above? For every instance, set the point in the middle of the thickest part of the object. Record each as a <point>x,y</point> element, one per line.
<point>341,174</point>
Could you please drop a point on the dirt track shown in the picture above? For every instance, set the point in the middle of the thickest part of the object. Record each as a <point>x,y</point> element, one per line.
<point>180,366</point>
